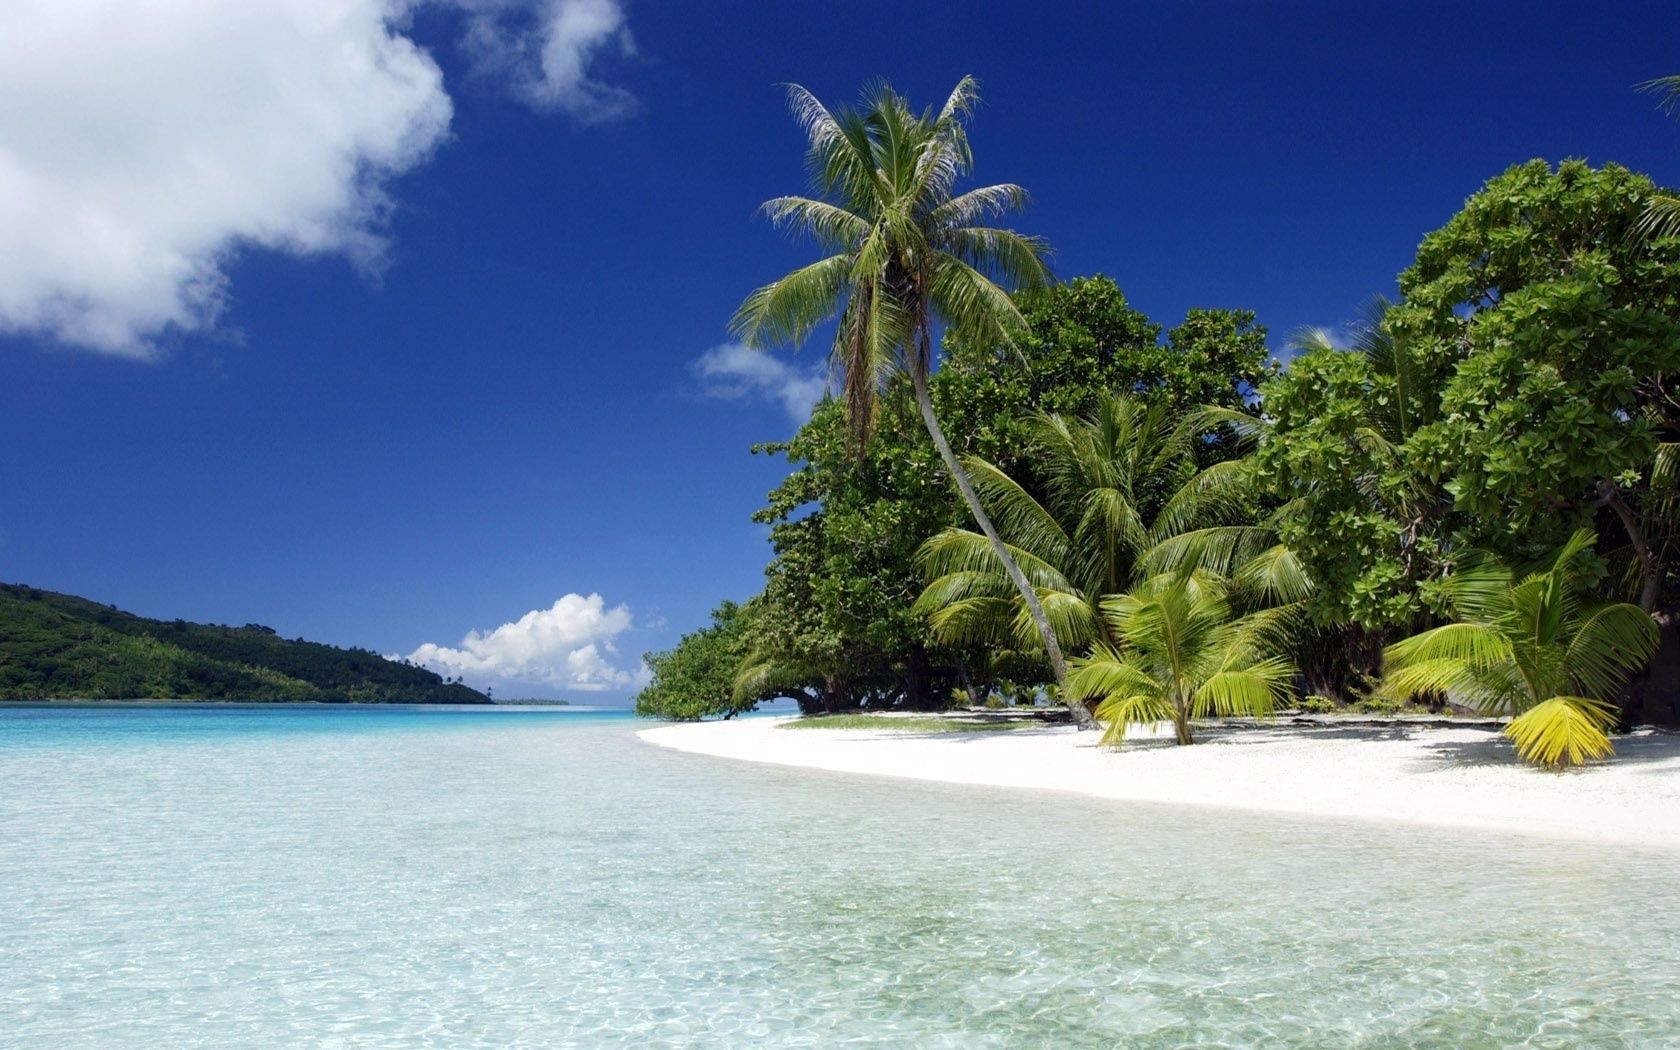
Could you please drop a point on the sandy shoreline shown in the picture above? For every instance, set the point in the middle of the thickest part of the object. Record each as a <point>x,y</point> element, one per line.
<point>1450,777</point>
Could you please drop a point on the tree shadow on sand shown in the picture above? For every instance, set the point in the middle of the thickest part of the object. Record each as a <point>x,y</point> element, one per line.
<point>1644,747</point>
<point>1641,748</point>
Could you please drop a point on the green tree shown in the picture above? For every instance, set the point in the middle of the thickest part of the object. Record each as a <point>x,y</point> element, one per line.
<point>1084,343</point>
<point>1183,650</point>
<point>906,251</point>
<point>1535,645</point>
<point>1517,391</point>
<point>844,526</point>
<point>1563,330</point>
<point>696,678</point>
<point>1366,527</point>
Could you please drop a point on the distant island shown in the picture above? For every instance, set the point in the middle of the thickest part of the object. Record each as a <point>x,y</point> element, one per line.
<point>60,647</point>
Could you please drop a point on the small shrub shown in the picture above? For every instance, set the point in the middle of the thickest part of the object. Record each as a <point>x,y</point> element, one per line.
<point>995,702</point>
<point>1380,704</point>
<point>1318,705</point>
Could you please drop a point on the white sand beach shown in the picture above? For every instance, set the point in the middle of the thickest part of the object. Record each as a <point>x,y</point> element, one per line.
<point>1407,772</point>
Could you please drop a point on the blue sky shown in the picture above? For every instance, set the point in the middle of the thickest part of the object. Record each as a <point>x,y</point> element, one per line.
<point>420,353</point>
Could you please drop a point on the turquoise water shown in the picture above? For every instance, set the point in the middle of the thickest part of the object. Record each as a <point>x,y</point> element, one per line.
<point>392,877</point>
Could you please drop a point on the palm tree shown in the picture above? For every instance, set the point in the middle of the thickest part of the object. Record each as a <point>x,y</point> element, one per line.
<point>905,250</point>
<point>1182,650</point>
<point>1535,646</point>
<point>1114,485</point>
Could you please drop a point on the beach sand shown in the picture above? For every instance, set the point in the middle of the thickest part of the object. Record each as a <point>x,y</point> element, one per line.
<point>1461,777</point>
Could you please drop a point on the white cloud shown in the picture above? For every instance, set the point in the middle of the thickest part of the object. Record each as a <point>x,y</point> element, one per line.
<point>568,644</point>
<point>733,372</point>
<point>143,146</point>
<point>546,48</point>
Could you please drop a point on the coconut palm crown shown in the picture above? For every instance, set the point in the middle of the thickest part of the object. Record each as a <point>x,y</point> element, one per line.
<point>904,249</point>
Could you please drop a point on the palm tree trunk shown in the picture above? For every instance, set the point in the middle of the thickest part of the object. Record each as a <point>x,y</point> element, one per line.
<point>1058,665</point>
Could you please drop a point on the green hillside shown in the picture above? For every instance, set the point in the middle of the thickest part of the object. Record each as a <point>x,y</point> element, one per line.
<point>60,647</point>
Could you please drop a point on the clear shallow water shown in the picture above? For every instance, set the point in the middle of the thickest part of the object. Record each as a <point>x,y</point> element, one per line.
<point>384,877</point>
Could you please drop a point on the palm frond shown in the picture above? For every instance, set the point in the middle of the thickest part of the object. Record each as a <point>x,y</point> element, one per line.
<point>1479,588</point>
<point>1120,711</point>
<point>1443,676</point>
<point>829,224</point>
<point>1309,339</point>
<point>1470,644</point>
<point>961,550</point>
<point>959,586</point>
<point>1666,88</point>
<point>1259,634</point>
<point>1074,621</point>
<point>1129,693</point>
<point>1564,731</point>
<point>1257,690</point>
<point>1222,549</point>
<point>1213,490</point>
<point>1277,575</point>
<point>970,302</point>
<point>784,311</point>
<point>1661,218</point>
<point>975,620</point>
<point>1015,259</point>
<point>977,205</point>
<point>1206,419</point>
<point>1020,518</point>
<point>1611,643</point>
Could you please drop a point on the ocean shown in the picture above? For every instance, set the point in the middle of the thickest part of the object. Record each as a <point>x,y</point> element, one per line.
<point>175,876</point>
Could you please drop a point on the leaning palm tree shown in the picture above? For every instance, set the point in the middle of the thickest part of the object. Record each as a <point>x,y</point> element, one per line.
<point>1535,646</point>
<point>905,252</point>
<point>1183,650</point>
<point>1112,485</point>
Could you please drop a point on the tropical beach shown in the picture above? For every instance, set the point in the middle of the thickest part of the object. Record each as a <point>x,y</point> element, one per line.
<point>1416,772</point>
<point>589,523</point>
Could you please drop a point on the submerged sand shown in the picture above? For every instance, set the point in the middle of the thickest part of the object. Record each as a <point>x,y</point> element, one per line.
<point>1461,777</point>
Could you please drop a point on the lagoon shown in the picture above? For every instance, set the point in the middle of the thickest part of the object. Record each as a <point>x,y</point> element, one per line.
<point>365,876</point>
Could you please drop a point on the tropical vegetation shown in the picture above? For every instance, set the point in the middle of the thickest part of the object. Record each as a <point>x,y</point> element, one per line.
<point>1537,645</point>
<point>1028,492</point>
<point>1178,647</point>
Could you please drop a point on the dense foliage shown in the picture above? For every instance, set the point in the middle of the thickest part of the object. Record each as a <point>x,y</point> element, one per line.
<point>1085,344</point>
<point>1518,390</point>
<point>1207,532</point>
<point>59,647</point>
<point>1110,486</point>
<point>837,627</point>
